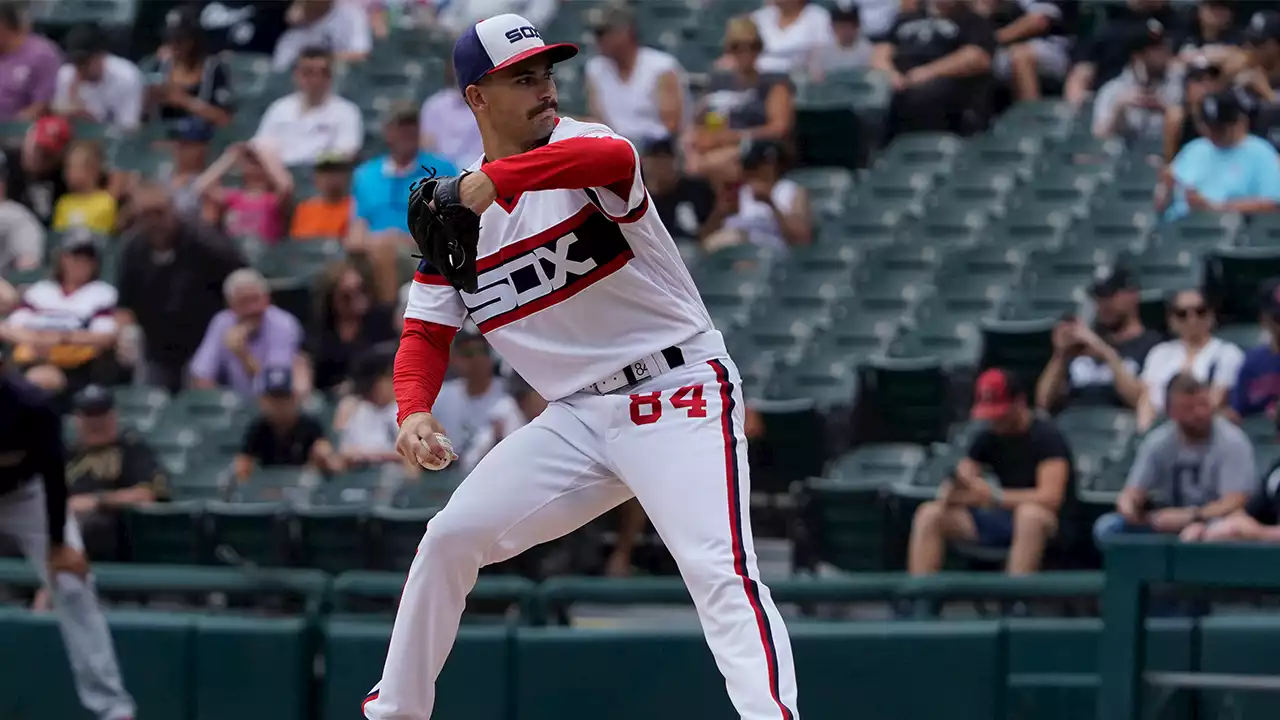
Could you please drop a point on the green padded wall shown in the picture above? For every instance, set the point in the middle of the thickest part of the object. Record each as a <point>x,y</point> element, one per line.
<point>43,688</point>
<point>251,668</point>
<point>1053,664</point>
<point>1245,644</point>
<point>846,670</point>
<point>473,685</point>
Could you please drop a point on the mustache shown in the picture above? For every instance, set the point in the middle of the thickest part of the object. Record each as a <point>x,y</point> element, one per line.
<point>548,105</point>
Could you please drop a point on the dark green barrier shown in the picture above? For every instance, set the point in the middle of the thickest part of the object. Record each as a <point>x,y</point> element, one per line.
<point>872,671</point>
<point>157,656</point>
<point>250,668</point>
<point>1248,645</point>
<point>1052,663</point>
<point>475,683</point>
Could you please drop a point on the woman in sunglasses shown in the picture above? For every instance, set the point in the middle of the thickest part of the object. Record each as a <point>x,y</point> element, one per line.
<point>1193,349</point>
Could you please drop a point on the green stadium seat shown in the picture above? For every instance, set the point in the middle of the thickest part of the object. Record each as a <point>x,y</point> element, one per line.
<point>1084,151</point>
<point>824,183</point>
<point>1032,226</point>
<point>901,396</point>
<point>204,408</point>
<point>860,329</point>
<point>395,534</point>
<point>784,328</point>
<point>1079,263</point>
<point>1119,234</point>
<point>950,225</point>
<point>726,289</point>
<point>205,479</point>
<point>824,116</point>
<point>934,153</point>
<point>1235,276</point>
<point>1022,347</point>
<point>1244,334</point>
<point>1014,154</point>
<point>139,406</point>
<point>822,256</point>
<point>1098,430</point>
<point>846,519</point>
<point>828,378</point>
<point>963,298</point>
<point>954,345</point>
<point>746,259</point>
<point>253,532</point>
<point>20,279</point>
<point>1067,186</point>
<point>992,263</point>
<point>1051,119</point>
<point>1048,296</point>
<point>1168,268</point>
<point>1262,231</point>
<point>168,533</point>
<point>988,193</point>
<point>333,537</point>
<point>884,464</point>
<point>814,289</point>
<point>1203,230</point>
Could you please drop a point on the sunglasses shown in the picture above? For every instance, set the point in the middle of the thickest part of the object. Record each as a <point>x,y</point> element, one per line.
<point>1183,313</point>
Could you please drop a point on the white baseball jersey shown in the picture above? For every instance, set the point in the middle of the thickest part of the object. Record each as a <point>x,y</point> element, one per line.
<point>573,284</point>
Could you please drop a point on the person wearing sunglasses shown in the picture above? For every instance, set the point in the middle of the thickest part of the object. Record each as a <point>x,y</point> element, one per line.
<point>1194,349</point>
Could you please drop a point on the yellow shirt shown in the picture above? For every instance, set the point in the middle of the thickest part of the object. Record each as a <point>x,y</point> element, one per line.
<point>95,211</point>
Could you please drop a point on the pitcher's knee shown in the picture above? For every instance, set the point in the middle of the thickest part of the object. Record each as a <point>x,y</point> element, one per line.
<point>70,589</point>
<point>453,540</point>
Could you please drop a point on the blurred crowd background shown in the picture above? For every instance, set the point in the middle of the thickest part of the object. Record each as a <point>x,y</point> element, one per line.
<point>998,273</point>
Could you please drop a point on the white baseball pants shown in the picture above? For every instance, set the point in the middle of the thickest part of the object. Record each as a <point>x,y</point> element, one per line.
<point>675,442</point>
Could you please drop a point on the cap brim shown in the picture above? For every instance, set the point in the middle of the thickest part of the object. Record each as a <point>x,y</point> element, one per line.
<point>989,410</point>
<point>557,52</point>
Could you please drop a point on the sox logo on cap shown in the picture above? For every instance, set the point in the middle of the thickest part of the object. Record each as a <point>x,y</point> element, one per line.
<point>500,42</point>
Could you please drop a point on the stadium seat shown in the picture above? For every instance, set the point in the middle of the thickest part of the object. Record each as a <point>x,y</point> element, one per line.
<point>901,399</point>
<point>846,523</point>
<point>962,297</point>
<point>950,225</point>
<point>395,534</point>
<point>204,408</point>
<point>988,263</point>
<point>829,378</point>
<point>1122,234</point>
<point>978,188</point>
<point>1076,262</point>
<point>785,329</point>
<point>332,537</point>
<point>955,346</point>
<point>139,406</point>
<point>1084,152</point>
<point>253,532</point>
<point>1203,230</point>
<point>1168,268</point>
<point>884,464</point>
<point>1013,154</point>
<point>1022,347</point>
<point>934,153</point>
<point>1098,430</point>
<point>1049,118</point>
<point>1032,226</point>
<point>170,533</point>
<point>1050,297</point>
<point>1235,276</point>
<point>1245,334</point>
<point>1262,231</point>
<point>824,117</point>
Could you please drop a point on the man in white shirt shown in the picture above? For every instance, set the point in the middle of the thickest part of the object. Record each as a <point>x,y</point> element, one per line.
<point>447,126</point>
<point>472,402</point>
<point>341,27</point>
<point>638,91</point>
<point>314,121</point>
<point>96,85</point>
<point>851,49</point>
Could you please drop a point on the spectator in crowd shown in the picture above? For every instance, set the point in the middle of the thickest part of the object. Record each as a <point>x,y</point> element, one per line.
<point>366,421</point>
<point>327,214</point>
<point>347,325</point>
<point>1195,350</point>
<point>1108,51</point>
<point>22,237</point>
<point>1182,122</point>
<point>250,335</point>
<point>638,91</point>
<point>1034,38</point>
<point>87,202</point>
<point>1102,366</point>
<point>96,85</point>
<point>877,16</point>
<point>474,398</point>
<point>1262,39</point>
<point>447,126</point>
<point>283,435</point>
<point>33,171</point>
<point>66,322</point>
<point>109,470</point>
<point>313,122</point>
<point>189,156</point>
<point>1257,521</point>
<point>1133,105</point>
<point>772,211</point>
<point>741,103</point>
<point>28,66</point>
<point>938,59</point>
<point>792,31</point>
<point>1030,458</point>
<point>850,49</point>
<point>1196,467</point>
<point>342,27</point>
<point>457,16</point>
<point>171,276</point>
<point>1258,384</point>
<point>688,206</point>
<point>259,208</point>
<point>1213,34</point>
<point>380,188</point>
<point>1227,170</point>
<point>194,83</point>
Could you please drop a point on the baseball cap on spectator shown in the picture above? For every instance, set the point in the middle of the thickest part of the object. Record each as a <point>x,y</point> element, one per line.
<point>1263,26</point>
<point>1148,35</point>
<point>1221,108</point>
<point>401,111</point>
<point>93,401</point>
<point>995,391</point>
<point>846,12</point>
<point>1111,279</point>
<point>83,43</point>
<point>277,382</point>
<point>500,42</point>
<point>51,134</point>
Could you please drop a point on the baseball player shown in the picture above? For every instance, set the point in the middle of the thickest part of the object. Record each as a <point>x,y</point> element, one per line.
<point>33,510</point>
<point>548,243</point>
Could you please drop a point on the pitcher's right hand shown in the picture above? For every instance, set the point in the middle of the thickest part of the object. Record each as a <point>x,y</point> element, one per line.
<point>422,440</point>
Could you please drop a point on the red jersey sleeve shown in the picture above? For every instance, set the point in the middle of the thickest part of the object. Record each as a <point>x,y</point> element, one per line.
<point>421,363</point>
<point>605,166</point>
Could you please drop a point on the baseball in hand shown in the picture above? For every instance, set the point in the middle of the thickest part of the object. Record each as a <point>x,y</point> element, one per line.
<point>437,464</point>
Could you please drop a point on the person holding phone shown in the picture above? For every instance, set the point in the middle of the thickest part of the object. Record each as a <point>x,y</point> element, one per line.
<point>1133,105</point>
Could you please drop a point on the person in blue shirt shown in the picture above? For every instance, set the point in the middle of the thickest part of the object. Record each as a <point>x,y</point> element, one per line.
<point>380,193</point>
<point>1227,170</point>
<point>1258,384</point>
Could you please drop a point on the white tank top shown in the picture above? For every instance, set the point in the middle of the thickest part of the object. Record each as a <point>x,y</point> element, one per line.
<point>630,107</point>
<point>787,49</point>
<point>757,220</point>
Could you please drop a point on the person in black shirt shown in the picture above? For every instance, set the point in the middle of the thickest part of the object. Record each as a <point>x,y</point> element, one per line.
<point>109,470</point>
<point>939,61</point>
<point>1213,26</point>
<point>1030,458</point>
<point>33,170</point>
<point>1102,366</point>
<point>170,284</point>
<point>1106,54</point>
<point>33,511</point>
<point>1258,521</point>
<point>688,207</point>
<point>191,84</point>
<point>283,435</point>
<point>347,323</point>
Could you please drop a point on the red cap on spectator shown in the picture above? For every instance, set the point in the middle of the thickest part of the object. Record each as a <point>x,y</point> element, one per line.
<point>52,133</point>
<point>993,394</point>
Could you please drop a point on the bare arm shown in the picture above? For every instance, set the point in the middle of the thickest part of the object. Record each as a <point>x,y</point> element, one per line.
<point>882,58</point>
<point>242,465</point>
<point>1224,506</point>
<point>967,61</point>
<point>1028,26</point>
<point>670,101</point>
<point>1079,83</point>
<point>1050,490</point>
<point>1173,117</point>
<point>797,224</point>
<point>780,116</point>
<point>212,176</point>
<point>1052,385</point>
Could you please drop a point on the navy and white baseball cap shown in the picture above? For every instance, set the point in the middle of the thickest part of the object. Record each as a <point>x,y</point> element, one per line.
<point>500,42</point>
